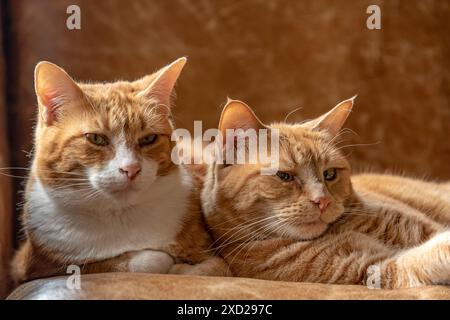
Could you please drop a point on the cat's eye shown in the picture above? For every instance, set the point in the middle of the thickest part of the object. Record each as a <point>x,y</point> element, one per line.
<point>147,140</point>
<point>285,176</point>
<point>330,174</point>
<point>97,139</point>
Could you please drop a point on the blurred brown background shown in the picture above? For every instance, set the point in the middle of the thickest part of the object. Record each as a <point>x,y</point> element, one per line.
<point>275,55</point>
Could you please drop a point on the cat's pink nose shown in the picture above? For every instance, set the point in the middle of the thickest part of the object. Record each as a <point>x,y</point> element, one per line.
<point>322,203</point>
<point>131,170</point>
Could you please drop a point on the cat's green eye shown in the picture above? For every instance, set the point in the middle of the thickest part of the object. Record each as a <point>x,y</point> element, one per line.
<point>147,140</point>
<point>330,174</point>
<point>284,176</point>
<point>97,139</point>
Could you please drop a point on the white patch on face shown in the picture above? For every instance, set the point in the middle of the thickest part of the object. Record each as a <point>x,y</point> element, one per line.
<point>313,186</point>
<point>114,184</point>
<point>80,230</point>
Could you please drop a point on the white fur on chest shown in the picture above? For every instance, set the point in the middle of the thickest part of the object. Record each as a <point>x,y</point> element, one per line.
<point>82,232</point>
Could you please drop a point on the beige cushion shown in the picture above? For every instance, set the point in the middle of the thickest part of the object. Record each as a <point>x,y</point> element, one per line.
<point>154,286</point>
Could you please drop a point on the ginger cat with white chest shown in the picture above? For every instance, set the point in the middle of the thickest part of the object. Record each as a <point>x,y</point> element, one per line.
<point>313,221</point>
<point>103,192</point>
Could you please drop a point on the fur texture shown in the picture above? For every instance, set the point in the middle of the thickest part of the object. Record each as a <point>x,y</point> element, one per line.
<point>320,224</point>
<point>103,192</point>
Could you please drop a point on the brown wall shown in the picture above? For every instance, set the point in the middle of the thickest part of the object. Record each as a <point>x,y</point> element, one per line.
<point>5,185</point>
<point>275,55</point>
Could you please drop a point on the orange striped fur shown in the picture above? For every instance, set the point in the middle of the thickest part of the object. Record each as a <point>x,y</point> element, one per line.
<point>383,230</point>
<point>103,192</point>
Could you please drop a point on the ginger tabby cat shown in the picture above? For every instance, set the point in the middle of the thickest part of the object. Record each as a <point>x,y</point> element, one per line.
<point>103,192</point>
<point>314,222</point>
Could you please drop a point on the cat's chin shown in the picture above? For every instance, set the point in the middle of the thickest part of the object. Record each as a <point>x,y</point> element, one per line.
<point>121,197</point>
<point>304,231</point>
<point>124,195</point>
<point>122,192</point>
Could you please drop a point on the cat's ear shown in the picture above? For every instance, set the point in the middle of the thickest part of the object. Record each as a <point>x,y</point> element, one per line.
<point>54,89</point>
<point>238,115</point>
<point>163,83</point>
<point>333,120</point>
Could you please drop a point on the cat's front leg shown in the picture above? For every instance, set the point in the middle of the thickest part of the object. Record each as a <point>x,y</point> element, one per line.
<point>150,261</point>
<point>146,261</point>
<point>213,266</point>
<point>426,264</point>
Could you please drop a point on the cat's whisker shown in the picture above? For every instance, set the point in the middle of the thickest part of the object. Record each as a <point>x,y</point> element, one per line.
<point>93,195</point>
<point>50,179</point>
<point>70,187</point>
<point>348,130</point>
<point>241,229</point>
<point>350,203</point>
<point>42,170</point>
<point>240,234</point>
<point>260,234</point>
<point>358,145</point>
<point>243,244</point>
<point>281,224</point>
<point>335,138</point>
<point>13,176</point>
<point>361,210</point>
<point>238,217</point>
<point>291,113</point>
<point>232,238</point>
<point>256,231</point>
<point>331,143</point>
<point>247,223</point>
<point>347,155</point>
<point>359,214</point>
<point>90,194</point>
<point>75,174</point>
<point>15,168</point>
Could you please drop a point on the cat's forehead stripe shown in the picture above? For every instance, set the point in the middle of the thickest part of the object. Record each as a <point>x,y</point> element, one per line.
<point>301,150</point>
<point>120,109</point>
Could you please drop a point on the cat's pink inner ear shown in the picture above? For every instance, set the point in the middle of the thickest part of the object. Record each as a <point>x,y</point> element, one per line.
<point>162,86</point>
<point>237,115</point>
<point>54,89</point>
<point>334,120</point>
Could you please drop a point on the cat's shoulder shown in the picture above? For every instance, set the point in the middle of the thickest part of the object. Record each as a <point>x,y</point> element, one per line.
<point>386,180</point>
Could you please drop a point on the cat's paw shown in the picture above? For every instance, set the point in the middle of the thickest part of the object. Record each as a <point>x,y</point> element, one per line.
<point>181,268</point>
<point>440,245</point>
<point>149,261</point>
<point>191,269</point>
<point>210,267</point>
<point>433,259</point>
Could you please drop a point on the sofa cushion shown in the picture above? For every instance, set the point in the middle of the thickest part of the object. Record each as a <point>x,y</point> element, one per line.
<point>155,286</point>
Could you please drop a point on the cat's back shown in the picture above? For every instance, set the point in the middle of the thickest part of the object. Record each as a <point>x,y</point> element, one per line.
<point>401,187</point>
<point>430,198</point>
